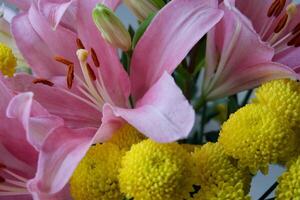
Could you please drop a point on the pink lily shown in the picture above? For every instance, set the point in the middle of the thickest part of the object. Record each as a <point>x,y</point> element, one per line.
<point>18,162</point>
<point>243,53</point>
<point>95,103</point>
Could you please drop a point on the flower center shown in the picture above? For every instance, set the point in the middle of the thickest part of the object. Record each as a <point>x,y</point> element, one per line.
<point>8,61</point>
<point>89,82</point>
<point>276,30</point>
<point>13,184</point>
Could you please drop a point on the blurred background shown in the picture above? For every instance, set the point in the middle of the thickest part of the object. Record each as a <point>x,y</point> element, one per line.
<point>260,182</point>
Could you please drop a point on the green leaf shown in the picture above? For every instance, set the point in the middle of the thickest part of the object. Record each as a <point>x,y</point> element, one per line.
<point>233,104</point>
<point>141,29</point>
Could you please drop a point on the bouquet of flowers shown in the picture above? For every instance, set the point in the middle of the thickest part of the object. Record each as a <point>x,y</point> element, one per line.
<point>190,104</point>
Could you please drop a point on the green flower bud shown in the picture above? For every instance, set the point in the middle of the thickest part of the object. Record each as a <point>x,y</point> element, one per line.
<point>111,27</point>
<point>143,8</point>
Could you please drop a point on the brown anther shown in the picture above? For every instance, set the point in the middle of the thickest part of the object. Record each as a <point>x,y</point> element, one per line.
<point>296,29</point>
<point>95,58</point>
<point>63,60</point>
<point>43,81</point>
<point>280,8</point>
<point>2,180</point>
<point>273,8</point>
<point>2,166</point>
<point>79,44</point>
<point>91,72</point>
<point>294,40</point>
<point>70,76</point>
<point>281,24</point>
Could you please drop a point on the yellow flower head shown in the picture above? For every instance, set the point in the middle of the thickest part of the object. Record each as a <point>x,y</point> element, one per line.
<point>8,61</point>
<point>156,171</point>
<point>218,175</point>
<point>289,182</point>
<point>96,177</point>
<point>126,136</point>
<point>283,97</point>
<point>256,137</point>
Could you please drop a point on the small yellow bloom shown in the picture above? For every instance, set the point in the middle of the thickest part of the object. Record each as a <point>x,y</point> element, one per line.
<point>257,137</point>
<point>126,136</point>
<point>8,61</point>
<point>283,97</point>
<point>96,177</point>
<point>218,175</point>
<point>289,182</point>
<point>156,171</point>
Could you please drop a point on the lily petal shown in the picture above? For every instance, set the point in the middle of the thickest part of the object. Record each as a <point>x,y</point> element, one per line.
<point>252,77</point>
<point>61,152</point>
<point>114,76</point>
<point>38,56</point>
<point>163,114</point>
<point>37,122</point>
<point>166,42</point>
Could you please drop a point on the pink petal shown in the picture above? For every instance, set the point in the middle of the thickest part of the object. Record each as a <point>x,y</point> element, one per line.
<point>59,101</point>
<point>21,4</point>
<point>163,114</point>
<point>59,157</point>
<point>166,42</point>
<point>252,77</point>
<point>38,56</point>
<point>55,12</point>
<point>14,146</point>
<point>233,49</point>
<point>37,122</point>
<point>113,73</point>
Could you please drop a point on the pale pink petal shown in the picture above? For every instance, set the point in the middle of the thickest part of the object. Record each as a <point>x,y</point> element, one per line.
<point>59,157</point>
<point>60,41</point>
<point>163,114</point>
<point>166,42</point>
<point>113,73</point>
<point>70,105</point>
<point>13,137</point>
<point>59,11</point>
<point>38,56</point>
<point>21,4</point>
<point>37,122</point>
<point>251,77</point>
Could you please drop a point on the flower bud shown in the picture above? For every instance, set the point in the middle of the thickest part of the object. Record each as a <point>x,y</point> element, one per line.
<point>142,8</point>
<point>111,28</point>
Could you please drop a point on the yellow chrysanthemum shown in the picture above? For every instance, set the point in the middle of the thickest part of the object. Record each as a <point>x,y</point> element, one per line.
<point>190,147</point>
<point>126,136</point>
<point>289,182</point>
<point>96,177</point>
<point>153,171</point>
<point>8,61</point>
<point>218,175</point>
<point>256,137</point>
<point>282,96</point>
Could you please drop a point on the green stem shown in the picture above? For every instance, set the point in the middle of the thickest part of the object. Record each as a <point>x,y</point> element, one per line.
<point>199,104</point>
<point>247,97</point>
<point>203,122</point>
<point>269,191</point>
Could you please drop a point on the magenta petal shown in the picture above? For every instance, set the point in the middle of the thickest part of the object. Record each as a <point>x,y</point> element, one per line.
<point>163,114</point>
<point>37,122</point>
<point>59,157</point>
<point>166,42</point>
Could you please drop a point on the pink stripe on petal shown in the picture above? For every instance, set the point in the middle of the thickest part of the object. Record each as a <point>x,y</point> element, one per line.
<point>166,42</point>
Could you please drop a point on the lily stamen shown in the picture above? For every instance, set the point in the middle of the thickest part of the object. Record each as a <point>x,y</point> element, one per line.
<point>43,81</point>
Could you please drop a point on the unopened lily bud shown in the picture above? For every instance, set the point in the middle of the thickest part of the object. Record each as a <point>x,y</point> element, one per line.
<point>111,27</point>
<point>142,8</point>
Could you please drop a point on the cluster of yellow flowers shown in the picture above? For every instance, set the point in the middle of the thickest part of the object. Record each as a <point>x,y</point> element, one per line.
<point>264,132</point>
